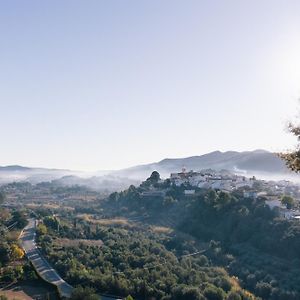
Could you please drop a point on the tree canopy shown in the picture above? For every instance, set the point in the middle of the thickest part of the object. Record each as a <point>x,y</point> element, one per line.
<point>2,197</point>
<point>288,201</point>
<point>154,177</point>
<point>292,158</point>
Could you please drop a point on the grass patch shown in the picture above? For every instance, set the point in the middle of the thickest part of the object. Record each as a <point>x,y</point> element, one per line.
<point>63,242</point>
<point>49,206</point>
<point>104,222</point>
<point>161,229</point>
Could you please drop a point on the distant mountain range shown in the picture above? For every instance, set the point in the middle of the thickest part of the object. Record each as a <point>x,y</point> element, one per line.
<point>259,162</point>
<point>14,168</point>
<point>101,181</point>
<point>33,175</point>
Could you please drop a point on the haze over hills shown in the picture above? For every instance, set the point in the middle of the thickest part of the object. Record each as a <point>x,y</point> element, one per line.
<point>105,183</point>
<point>33,175</point>
<point>259,162</point>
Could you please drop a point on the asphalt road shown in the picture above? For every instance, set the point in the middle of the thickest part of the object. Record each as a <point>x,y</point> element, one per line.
<point>40,263</point>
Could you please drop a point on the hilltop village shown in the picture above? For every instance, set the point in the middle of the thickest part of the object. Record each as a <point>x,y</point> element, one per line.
<point>271,192</point>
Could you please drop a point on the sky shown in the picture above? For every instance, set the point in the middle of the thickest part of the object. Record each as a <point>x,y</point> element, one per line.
<point>101,85</point>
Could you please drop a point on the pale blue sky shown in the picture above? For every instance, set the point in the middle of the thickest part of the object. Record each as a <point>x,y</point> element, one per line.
<point>96,85</point>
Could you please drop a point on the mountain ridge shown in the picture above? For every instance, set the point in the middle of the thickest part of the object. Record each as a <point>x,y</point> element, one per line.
<point>250,163</point>
<point>260,161</point>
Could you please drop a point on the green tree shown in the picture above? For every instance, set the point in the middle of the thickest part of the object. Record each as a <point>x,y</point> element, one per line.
<point>19,272</point>
<point>41,229</point>
<point>234,296</point>
<point>20,218</point>
<point>154,177</point>
<point>168,201</point>
<point>51,222</point>
<point>214,293</point>
<point>292,158</point>
<point>263,289</point>
<point>193,293</point>
<point>81,293</point>
<point>288,201</point>
<point>2,197</point>
<point>4,253</point>
<point>211,197</point>
<point>223,200</point>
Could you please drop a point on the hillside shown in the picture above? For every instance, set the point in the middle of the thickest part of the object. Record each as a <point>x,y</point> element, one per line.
<point>246,238</point>
<point>249,162</point>
<point>97,183</point>
<point>33,175</point>
<point>259,162</point>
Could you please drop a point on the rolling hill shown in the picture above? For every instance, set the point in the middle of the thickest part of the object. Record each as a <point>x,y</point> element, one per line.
<point>259,162</point>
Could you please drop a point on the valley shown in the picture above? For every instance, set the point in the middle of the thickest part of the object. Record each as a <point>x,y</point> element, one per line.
<point>156,241</point>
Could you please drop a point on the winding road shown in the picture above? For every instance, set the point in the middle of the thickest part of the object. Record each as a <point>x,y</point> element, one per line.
<point>40,263</point>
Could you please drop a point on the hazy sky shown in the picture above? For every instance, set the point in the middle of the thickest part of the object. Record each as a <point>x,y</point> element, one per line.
<point>96,85</point>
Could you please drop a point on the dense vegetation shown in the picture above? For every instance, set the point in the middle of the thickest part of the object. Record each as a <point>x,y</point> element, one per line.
<point>266,248</point>
<point>246,246</point>
<point>263,249</point>
<point>292,158</point>
<point>12,265</point>
<point>137,261</point>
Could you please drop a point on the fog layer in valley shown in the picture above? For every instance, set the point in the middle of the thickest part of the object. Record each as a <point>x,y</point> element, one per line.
<point>259,163</point>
